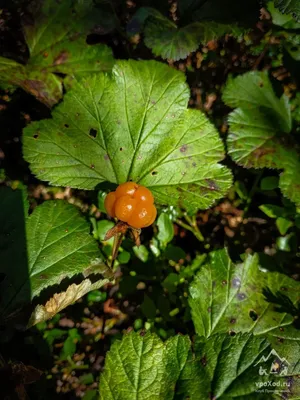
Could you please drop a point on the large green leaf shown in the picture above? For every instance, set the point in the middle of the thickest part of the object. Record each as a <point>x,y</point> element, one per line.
<point>57,43</point>
<point>165,39</point>
<point>258,129</point>
<point>142,367</point>
<point>229,297</point>
<point>219,367</point>
<point>223,367</point>
<point>133,125</point>
<point>289,7</point>
<point>41,250</point>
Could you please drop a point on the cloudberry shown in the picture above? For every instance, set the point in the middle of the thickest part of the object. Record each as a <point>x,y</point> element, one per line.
<point>131,203</point>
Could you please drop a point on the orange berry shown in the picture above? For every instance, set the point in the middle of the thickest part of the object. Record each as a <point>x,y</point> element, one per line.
<point>141,216</point>
<point>109,204</point>
<point>126,188</point>
<point>125,207</point>
<point>154,214</point>
<point>143,194</point>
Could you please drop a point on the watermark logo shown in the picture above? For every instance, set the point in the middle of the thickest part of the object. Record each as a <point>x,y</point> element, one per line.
<point>279,365</point>
<point>272,366</point>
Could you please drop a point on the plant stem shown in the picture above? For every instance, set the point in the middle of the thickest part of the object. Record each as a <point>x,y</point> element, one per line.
<point>192,227</point>
<point>252,193</point>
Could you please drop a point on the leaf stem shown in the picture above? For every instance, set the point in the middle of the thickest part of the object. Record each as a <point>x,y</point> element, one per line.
<point>252,193</point>
<point>191,226</point>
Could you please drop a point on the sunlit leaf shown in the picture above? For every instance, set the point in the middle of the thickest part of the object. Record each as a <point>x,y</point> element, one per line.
<point>142,367</point>
<point>229,297</point>
<point>259,127</point>
<point>113,129</point>
<point>289,7</point>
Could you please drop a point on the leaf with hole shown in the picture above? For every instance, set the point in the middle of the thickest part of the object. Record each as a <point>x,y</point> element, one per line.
<point>144,133</point>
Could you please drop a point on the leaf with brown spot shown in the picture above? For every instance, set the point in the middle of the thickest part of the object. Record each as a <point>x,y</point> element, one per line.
<point>58,47</point>
<point>231,303</point>
<point>175,153</point>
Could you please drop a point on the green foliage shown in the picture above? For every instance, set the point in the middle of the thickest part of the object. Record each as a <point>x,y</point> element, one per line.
<point>229,297</point>
<point>280,19</point>
<point>58,47</point>
<point>113,129</point>
<point>223,365</point>
<point>165,39</point>
<point>40,250</point>
<point>259,127</point>
<point>289,7</point>
<point>142,367</point>
<point>165,229</point>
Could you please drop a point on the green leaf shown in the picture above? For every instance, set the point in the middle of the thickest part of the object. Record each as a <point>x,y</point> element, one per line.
<point>86,379</point>
<point>148,307</point>
<point>69,347</point>
<point>253,90</point>
<point>174,253</point>
<point>124,257</point>
<point>227,297</point>
<point>258,130</point>
<point>141,252</point>
<point>53,334</point>
<point>91,395</point>
<point>175,152</point>
<point>41,250</point>
<point>269,183</point>
<point>286,21</point>
<point>58,47</point>
<point>220,367</point>
<point>292,45</point>
<point>272,211</point>
<point>171,282</point>
<point>224,367</point>
<point>166,40</point>
<point>96,296</point>
<point>165,229</point>
<point>137,22</point>
<point>284,243</point>
<point>142,367</point>
<point>103,226</point>
<point>47,88</point>
<point>289,7</point>
<point>283,225</point>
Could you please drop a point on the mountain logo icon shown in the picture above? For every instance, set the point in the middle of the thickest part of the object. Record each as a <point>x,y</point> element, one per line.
<point>279,364</point>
